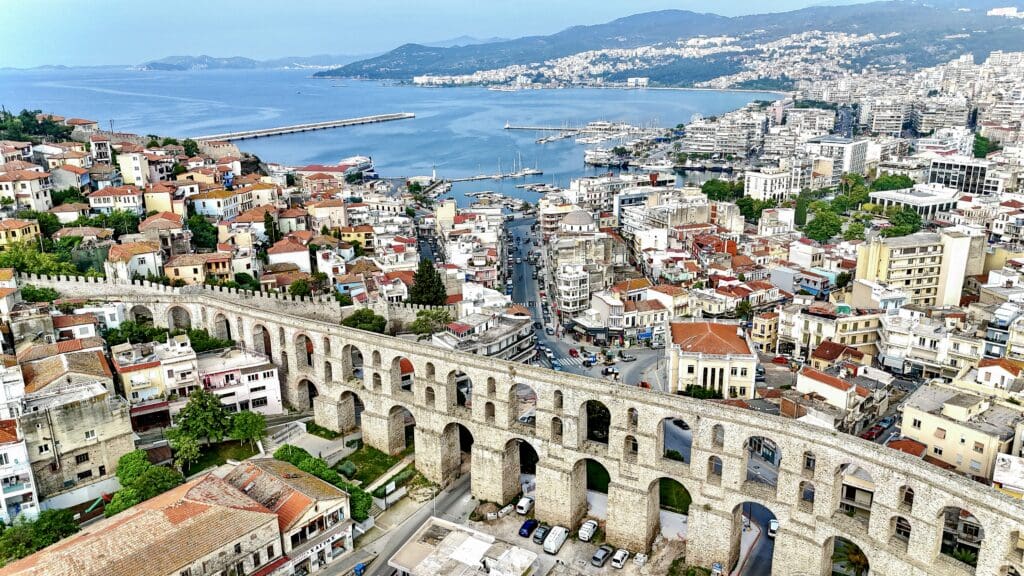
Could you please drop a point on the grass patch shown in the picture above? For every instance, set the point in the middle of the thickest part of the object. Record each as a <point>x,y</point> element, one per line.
<point>679,568</point>
<point>674,496</point>
<point>214,455</point>
<point>597,477</point>
<point>317,430</point>
<point>370,464</point>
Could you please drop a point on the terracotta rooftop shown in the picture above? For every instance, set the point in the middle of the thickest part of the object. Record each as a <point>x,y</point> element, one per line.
<point>125,252</point>
<point>1004,363</point>
<point>832,351</point>
<point>708,338</point>
<point>162,221</point>
<point>282,488</point>
<point>41,373</point>
<point>286,246</point>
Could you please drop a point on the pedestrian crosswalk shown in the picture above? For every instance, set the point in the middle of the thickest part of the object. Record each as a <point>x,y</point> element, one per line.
<point>570,361</point>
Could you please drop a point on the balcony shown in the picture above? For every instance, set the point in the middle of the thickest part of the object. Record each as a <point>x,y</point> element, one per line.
<point>16,487</point>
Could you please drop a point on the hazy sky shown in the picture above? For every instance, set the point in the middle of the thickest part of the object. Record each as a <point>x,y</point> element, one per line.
<point>76,32</point>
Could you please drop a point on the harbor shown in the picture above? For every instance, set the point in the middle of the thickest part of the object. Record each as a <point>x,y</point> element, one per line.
<point>265,132</point>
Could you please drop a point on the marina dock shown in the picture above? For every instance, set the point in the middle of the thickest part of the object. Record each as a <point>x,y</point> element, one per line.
<point>246,134</point>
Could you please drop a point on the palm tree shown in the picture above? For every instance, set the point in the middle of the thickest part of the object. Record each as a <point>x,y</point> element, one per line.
<point>851,558</point>
<point>965,555</point>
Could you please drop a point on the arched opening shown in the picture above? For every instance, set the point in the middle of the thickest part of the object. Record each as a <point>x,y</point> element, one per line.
<point>676,439</point>
<point>328,371</point>
<point>673,506</point>
<point>806,494</point>
<point>261,341</point>
<point>856,492</point>
<point>596,420</point>
<point>753,543</point>
<point>431,372</point>
<point>221,327</point>
<point>630,448</point>
<point>715,470</point>
<point>304,351</point>
<point>178,318</point>
<point>556,430</point>
<point>906,498</point>
<point>521,462</point>
<point>718,436</point>
<point>281,338</point>
<point>1009,571</point>
<point>311,390</point>
<point>589,493</point>
<point>489,412</point>
<point>402,374</point>
<point>377,385</point>
<point>141,314</point>
<point>962,535</point>
<point>556,402</point>
<point>401,430</point>
<point>352,362</point>
<point>351,407</point>
<point>632,419</point>
<point>491,387</point>
<point>763,460</point>
<point>456,451</point>
<point>240,326</point>
<point>461,387</point>
<point>428,396</point>
<point>524,401</point>
<point>842,556</point>
<point>899,528</point>
<point>327,346</point>
<point>376,358</point>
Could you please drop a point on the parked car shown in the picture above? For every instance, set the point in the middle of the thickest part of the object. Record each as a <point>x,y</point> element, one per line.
<point>556,365</point>
<point>619,558</point>
<point>773,528</point>
<point>780,360</point>
<point>887,421</point>
<point>530,419</point>
<point>541,534</point>
<point>627,357</point>
<point>528,527</point>
<point>872,433</point>
<point>587,363</point>
<point>645,384</point>
<point>587,530</point>
<point>555,539</point>
<point>601,555</point>
<point>549,331</point>
<point>524,506</point>
<point>537,325</point>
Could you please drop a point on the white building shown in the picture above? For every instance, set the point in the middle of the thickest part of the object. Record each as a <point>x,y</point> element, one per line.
<point>19,487</point>
<point>243,380</point>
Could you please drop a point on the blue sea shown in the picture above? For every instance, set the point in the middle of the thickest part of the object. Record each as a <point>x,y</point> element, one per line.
<point>457,131</point>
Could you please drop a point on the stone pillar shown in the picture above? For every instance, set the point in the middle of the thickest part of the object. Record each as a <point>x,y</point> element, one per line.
<point>709,536</point>
<point>495,474</point>
<point>796,555</point>
<point>437,456</point>
<point>330,414</point>
<point>376,432</point>
<point>559,495</point>
<point>632,517</point>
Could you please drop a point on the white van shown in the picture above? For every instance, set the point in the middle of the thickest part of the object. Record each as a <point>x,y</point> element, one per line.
<point>557,536</point>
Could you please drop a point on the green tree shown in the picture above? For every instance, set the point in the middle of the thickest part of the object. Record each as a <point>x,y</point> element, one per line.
<point>178,169</point>
<point>744,310</point>
<point>131,331</point>
<point>983,146</point>
<point>153,143</point>
<point>30,293</point>
<point>854,231</point>
<point>722,190</point>
<point>357,248</point>
<point>191,147</point>
<point>122,500</point>
<point>248,427</point>
<point>202,341</point>
<point>26,258</point>
<point>842,279</point>
<point>825,225</point>
<point>204,417</point>
<point>48,223</point>
<point>186,451</point>
<point>428,322</point>
<point>270,228</point>
<point>892,182</point>
<point>428,287</point>
<point>204,234</point>
<point>300,288</point>
<point>131,466</point>
<point>157,480</point>
<point>69,195</point>
<point>51,526</point>
<point>851,558</point>
<point>343,299</point>
<point>245,280</point>
<point>365,319</point>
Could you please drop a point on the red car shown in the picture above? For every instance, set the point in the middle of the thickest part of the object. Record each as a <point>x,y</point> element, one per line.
<point>872,433</point>
<point>574,352</point>
<point>780,360</point>
<point>645,384</point>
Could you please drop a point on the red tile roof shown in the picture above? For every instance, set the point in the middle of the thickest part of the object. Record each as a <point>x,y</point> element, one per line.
<point>1004,363</point>
<point>708,338</point>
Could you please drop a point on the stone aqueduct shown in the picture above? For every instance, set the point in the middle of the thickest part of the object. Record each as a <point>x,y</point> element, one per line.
<point>316,354</point>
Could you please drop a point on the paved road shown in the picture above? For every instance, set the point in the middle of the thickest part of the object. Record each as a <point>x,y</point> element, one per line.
<point>454,504</point>
<point>760,560</point>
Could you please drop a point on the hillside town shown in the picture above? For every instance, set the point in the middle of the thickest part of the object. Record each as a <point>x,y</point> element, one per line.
<point>856,263</point>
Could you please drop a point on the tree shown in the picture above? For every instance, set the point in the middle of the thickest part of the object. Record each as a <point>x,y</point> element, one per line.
<point>365,319</point>
<point>191,147</point>
<point>131,466</point>
<point>204,417</point>
<point>245,280</point>
<point>26,258</point>
<point>131,331</point>
<point>186,451</point>
<point>157,480</point>
<point>122,500</point>
<point>154,143</point>
<point>983,146</point>
<point>202,341</point>
<point>51,526</point>
<point>30,293</point>
<point>300,288</point>
<point>892,182</point>
<point>854,231</point>
<point>851,557</point>
<point>843,279</point>
<point>428,287</point>
<point>825,225</point>
<point>248,427</point>
<point>410,211</point>
<point>744,309</point>
<point>177,169</point>
<point>357,248</point>
<point>428,322</point>
<point>343,299</point>
<point>722,190</point>
<point>204,234</point>
<point>70,195</point>
<point>270,228</point>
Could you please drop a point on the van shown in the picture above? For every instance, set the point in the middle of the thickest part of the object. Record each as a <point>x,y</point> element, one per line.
<point>555,539</point>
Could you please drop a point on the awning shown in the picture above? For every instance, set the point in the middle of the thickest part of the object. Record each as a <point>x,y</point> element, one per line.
<point>151,408</point>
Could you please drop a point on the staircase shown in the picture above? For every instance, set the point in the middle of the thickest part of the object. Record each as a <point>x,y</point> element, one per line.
<point>281,436</point>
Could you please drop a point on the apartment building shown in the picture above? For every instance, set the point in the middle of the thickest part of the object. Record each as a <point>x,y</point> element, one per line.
<point>928,200</point>
<point>715,356</point>
<point>242,379</point>
<point>27,189</point>
<point>803,327</point>
<point>506,336</point>
<point>154,374</point>
<point>927,347</point>
<point>127,198</point>
<point>19,497</point>
<point>973,176</point>
<point>768,184</point>
<point>930,267</point>
<point>14,230</point>
<point>134,167</point>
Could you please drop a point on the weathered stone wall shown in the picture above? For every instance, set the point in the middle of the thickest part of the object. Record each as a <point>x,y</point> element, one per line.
<point>807,529</point>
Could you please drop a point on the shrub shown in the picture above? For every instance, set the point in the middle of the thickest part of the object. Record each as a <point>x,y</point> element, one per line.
<point>360,499</point>
<point>291,454</point>
<point>400,479</point>
<point>347,469</point>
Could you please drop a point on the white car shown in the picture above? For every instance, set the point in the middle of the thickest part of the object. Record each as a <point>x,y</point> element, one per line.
<point>524,505</point>
<point>619,558</point>
<point>773,528</point>
<point>587,530</point>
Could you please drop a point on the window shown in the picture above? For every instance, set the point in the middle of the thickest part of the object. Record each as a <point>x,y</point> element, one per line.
<point>4,460</point>
<point>252,377</point>
<point>44,449</point>
<point>743,371</point>
<point>257,389</point>
<point>916,424</point>
<point>256,559</point>
<point>259,402</point>
<point>689,369</point>
<point>82,458</point>
<point>940,433</point>
<point>90,434</point>
<point>85,474</point>
<point>238,548</point>
<point>979,447</point>
<point>809,461</point>
<point>937,451</point>
<point>270,552</point>
<point>185,572</point>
